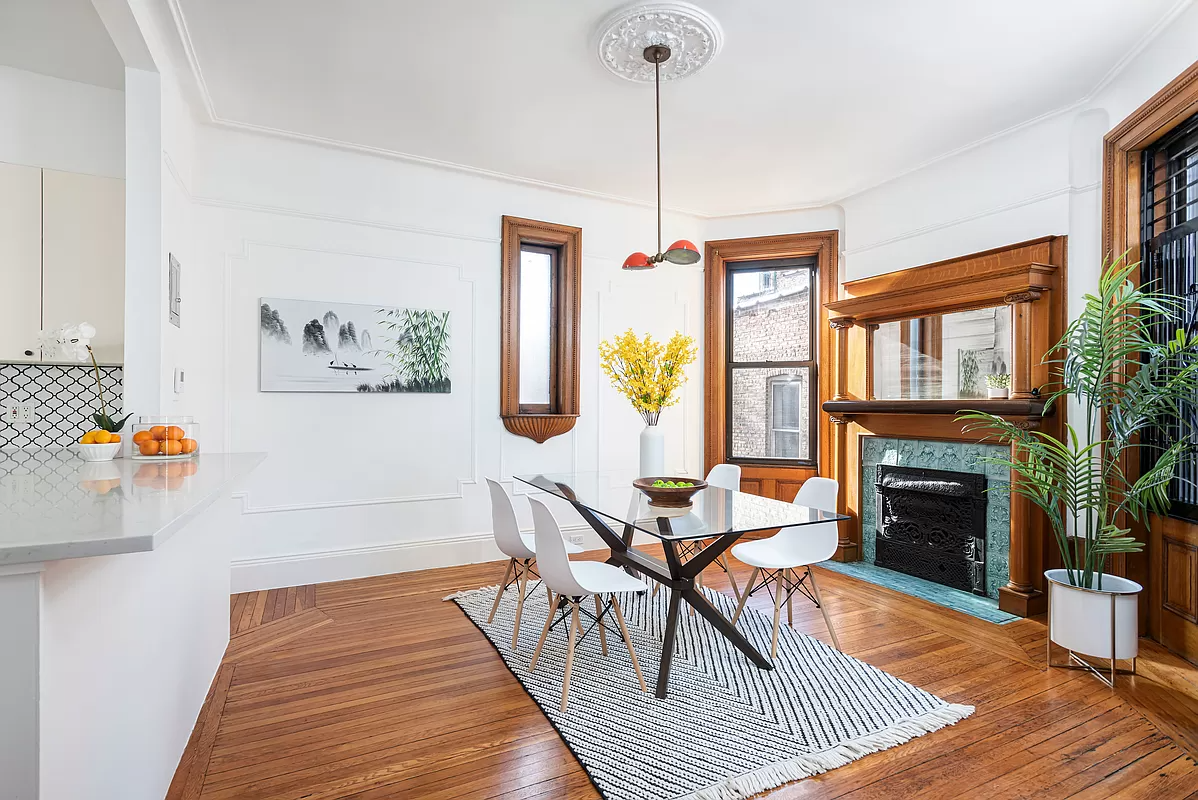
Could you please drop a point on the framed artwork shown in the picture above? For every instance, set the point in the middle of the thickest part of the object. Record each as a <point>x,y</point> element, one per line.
<point>315,346</point>
<point>972,368</point>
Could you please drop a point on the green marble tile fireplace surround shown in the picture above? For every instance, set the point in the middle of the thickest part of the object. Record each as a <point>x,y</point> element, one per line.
<point>964,457</point>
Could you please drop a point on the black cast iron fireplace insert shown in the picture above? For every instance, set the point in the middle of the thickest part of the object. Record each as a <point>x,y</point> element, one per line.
<point>932,524</point>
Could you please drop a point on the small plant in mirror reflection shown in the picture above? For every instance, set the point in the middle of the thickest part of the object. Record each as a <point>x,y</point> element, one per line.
<point>998,381</point>
<point>645,371</point>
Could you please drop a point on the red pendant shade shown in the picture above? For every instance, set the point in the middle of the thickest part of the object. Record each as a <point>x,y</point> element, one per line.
<point>683,252</point>
<point>638,261</point>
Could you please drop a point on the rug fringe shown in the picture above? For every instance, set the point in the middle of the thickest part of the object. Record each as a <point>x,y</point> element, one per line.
<point>772,776</point>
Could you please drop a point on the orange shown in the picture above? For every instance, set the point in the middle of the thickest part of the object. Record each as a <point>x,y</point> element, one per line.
<point>172,447</point>
<point>158,432</point>
<point>149,447</point>
<point>189,445</point>
<point>101,437</point>
<point>142,436</point>
<point>114,438</point>
<point>174,432</point>
<point>88,438</point>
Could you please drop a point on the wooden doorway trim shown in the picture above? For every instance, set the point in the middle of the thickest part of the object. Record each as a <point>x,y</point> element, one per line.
<point>1168,568</point>
<point>824,246</point>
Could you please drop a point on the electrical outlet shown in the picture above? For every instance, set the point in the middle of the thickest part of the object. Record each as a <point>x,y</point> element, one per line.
<point>20,413</point>
<point>576,538</point>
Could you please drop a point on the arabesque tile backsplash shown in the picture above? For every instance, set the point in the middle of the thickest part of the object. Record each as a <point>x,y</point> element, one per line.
<point>66,397</point>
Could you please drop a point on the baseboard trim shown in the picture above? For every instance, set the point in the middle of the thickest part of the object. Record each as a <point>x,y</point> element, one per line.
<point>299,569</point>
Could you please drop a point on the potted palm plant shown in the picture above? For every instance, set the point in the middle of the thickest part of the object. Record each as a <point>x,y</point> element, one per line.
<point>1126,382</point>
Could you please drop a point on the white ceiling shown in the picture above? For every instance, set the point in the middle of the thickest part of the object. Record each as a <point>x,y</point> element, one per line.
<point>61,38</point>
<point>809,101</point>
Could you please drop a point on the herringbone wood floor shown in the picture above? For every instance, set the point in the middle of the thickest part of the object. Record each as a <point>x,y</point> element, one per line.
<point>377,689</point>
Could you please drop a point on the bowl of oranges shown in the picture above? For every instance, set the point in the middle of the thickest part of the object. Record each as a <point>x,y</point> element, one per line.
<point>99,445</point>
<point>165,438</point>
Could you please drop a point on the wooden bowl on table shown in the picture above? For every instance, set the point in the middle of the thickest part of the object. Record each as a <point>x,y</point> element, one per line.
<point>670,496</point>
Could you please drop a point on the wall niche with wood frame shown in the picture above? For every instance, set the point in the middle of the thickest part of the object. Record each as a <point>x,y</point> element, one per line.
<point>538,334</point>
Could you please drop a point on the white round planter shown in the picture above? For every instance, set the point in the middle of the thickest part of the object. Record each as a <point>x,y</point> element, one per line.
<point>653,452</point>
<point>1084,620</point>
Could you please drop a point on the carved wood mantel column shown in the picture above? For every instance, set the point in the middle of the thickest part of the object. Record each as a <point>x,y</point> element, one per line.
<point>1022,337</point>
<point>846,542</point>
<point>842,325</point>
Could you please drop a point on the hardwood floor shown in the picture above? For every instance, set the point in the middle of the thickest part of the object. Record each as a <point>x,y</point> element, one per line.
<point>377,688</point>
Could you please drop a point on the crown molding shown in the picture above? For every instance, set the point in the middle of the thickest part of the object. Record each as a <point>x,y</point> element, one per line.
<point>214,119</point>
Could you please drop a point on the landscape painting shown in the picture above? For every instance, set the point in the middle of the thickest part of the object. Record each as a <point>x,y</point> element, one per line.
<point>313,346</point>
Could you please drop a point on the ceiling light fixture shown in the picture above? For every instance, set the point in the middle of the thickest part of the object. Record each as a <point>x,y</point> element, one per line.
<point>681,251</point>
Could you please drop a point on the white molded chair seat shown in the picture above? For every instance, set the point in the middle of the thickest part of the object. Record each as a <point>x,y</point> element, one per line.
<point>789,550</point>
<point>521,550</point>
<point>569,582</point>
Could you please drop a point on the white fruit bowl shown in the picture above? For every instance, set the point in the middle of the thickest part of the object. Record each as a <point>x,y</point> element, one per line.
<point>99,452</point>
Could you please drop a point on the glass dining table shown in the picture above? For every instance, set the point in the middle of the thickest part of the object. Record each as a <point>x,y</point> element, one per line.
<point>691,538</point>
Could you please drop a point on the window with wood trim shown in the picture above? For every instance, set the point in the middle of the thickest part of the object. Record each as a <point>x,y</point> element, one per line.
<point>540,295</point>
<point>771,365</point>
<point>1169,253</point>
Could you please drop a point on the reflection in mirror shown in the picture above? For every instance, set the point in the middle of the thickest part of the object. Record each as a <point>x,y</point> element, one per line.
<point>943,357</point>
<point>536,325</point>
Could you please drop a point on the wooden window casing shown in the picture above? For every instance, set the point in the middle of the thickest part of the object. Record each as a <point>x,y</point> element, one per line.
<point>541,421</point>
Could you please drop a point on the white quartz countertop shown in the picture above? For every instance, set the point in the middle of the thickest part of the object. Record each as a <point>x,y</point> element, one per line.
<point>54,505</point>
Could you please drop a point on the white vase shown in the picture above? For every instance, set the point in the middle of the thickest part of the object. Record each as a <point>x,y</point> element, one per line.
<point>653,452</point>
<point>998,394</point>
<point>1082,620</point>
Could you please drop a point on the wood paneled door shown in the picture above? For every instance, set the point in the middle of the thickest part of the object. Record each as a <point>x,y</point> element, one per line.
<point>767,357</point>
<point>1134,167</point>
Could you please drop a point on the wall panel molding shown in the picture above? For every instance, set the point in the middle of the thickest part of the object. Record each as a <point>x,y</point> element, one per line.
<point>245,497</point>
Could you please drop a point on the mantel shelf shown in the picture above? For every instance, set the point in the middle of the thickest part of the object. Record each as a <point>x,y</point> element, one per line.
<point>1031,409</point>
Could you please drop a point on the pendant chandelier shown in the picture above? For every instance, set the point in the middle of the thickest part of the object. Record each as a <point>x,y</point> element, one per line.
<point>681,251</point>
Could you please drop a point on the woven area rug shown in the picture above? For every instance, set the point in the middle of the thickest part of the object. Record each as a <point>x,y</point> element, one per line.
<point>728,730</point>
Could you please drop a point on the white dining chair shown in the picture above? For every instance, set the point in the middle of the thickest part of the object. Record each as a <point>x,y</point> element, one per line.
<point>723,476</point>
<point>777,558</point>
<point>571,581</point>
<point>521,550</point>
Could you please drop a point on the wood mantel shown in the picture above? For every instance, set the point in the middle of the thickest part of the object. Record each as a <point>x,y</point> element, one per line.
<point>1028,276</point>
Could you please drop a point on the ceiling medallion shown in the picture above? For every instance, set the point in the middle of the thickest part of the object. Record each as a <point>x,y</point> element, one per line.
<point>693,36</point>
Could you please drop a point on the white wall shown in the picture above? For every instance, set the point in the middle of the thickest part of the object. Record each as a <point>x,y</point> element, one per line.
<point>64,125</point>
<point>364,484</point>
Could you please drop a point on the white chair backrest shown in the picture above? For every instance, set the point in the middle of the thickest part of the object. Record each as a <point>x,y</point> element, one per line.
<point>725,476</point>
<point>503,518</point>
<point>816,542</point>
<point>552,561</point>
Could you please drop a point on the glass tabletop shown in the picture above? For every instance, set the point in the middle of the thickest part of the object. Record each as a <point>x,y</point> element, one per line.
<point>713,511</point>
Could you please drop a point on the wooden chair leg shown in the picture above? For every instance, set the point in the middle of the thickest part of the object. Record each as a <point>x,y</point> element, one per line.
<point>820,599</point>
<point>699,586</point>
<point>520,603</point>
<point>574,625</point>
<point>731,575</point>
<point>777,614</point>
<point>532,665</point>
<point>744,596</point>
<point>790,618</point>
<point>615,605</point>
<point>656,589</point>
<point>602,631</point>
<point>507,573</point>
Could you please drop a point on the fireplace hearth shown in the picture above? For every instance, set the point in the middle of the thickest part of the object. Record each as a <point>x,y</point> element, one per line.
<point>932,525</point>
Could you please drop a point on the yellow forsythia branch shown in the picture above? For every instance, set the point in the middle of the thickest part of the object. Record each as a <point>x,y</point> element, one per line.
<point>645,371</point>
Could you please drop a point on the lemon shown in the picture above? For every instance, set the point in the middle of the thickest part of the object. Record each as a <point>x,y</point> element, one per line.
<point>101,437</point>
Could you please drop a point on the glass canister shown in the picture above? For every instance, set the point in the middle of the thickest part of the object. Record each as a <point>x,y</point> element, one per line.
<point>165,438</point>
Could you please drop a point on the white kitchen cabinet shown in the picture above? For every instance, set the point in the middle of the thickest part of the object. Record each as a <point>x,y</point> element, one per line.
<point>20,262</point>
<point>62,259</point>
<point>83,257</point>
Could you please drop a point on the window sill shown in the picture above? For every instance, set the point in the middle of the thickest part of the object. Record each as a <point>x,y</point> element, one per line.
<point>539,427</point>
